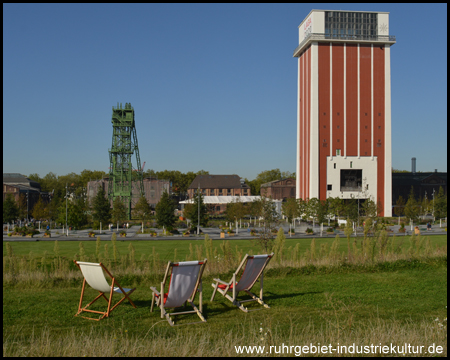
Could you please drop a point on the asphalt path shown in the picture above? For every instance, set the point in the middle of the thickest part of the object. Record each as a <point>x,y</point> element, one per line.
<point>214,233</point>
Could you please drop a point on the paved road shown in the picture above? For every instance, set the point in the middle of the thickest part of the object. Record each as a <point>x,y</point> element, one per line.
<point>214,233</point>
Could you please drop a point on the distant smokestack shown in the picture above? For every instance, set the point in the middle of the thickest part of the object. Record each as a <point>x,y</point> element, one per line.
<point>413,165</point>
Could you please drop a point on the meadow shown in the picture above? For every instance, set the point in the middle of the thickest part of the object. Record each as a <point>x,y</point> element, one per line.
<point>379,290</point>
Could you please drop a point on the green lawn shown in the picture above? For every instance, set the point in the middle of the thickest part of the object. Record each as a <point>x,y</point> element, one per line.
<point>385,302</point>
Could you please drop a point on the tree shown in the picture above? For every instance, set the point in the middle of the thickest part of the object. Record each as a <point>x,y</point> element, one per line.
<point>10,209</point>
<point>411,207</point>
<point>101,207</point>
<point>399,208</point>
<point>22,205</point>
<point>351,210</point>
<point>253,209</point>
<point>369,208</point>
<point>322,211</point>
<point>290,209</point>
<point>165,211</point>
<point>336,206</point>
<point>142,209</point>
<point>40,211</point>
<point>235,210</point>
<point>119,211</point>
<point>302,207</point>
<point>76,213</point>
<point>192,212</point>
<point>268,213</point>
<point>53,206</point>
<point>440,204</point>
<point>288,174</point>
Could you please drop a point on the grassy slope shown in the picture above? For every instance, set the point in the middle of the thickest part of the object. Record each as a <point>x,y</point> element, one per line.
<point>166,248</point>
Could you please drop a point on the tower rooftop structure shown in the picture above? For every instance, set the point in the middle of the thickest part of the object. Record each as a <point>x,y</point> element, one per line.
<point>369,27</point>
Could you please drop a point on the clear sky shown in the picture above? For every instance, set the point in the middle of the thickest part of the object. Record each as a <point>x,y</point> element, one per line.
<point>214,86</point>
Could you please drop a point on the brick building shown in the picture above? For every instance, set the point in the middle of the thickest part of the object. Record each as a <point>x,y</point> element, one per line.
<point>17,184</point>
<point>279,189</point>
<point>219,185</point>
<point>153,188</point>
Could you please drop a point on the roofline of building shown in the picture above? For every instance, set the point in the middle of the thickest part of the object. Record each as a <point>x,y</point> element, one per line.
<point>354,11</point>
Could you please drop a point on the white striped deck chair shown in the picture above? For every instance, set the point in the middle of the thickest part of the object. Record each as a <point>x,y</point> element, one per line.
<point>185,282</point>
<point>95,277</point>
<point>254,268</point>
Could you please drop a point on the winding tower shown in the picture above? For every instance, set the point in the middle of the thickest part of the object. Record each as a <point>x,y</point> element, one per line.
<point>122,176</point>
<point>344,146</point>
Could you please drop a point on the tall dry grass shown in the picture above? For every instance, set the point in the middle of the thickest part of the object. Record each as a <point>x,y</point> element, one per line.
<point>53,269</point>
<point>199,342</point>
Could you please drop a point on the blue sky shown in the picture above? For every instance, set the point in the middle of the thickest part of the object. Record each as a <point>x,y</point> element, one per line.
<point>214,86</point>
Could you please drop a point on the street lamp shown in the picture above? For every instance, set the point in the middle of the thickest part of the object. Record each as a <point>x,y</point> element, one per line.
<point>198,218</point>
<point>434,219</point>
<point>27,203</point>
<point>67,229</point>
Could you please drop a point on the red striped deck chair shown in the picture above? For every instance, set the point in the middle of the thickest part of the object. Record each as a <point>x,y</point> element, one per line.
<point>94,275</point>
<point>185,282</point>
<point>254,268</point>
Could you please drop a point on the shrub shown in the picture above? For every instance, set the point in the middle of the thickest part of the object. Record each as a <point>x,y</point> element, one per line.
<point>309,231</point>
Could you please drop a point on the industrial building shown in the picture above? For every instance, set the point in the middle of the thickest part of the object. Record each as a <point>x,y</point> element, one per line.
<point>344,107</point>
<point>153,189</point>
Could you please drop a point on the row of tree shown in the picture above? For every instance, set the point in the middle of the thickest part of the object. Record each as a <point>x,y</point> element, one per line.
<point>413,208</point>
<point>180,181</point>
<point>80,212</point>
<point>309,208</point>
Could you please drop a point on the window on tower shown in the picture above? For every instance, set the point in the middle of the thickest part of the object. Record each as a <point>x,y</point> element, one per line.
<point>351,180</point>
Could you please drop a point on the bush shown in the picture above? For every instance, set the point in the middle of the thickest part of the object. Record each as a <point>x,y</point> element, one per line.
<point>309,231</point>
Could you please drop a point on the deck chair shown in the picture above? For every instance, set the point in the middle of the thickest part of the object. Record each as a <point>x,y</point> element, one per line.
<point>254,268</point>
<point>185,282</point>
<point>94,276</point>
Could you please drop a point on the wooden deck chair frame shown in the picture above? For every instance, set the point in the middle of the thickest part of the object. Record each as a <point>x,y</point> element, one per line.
<point>231,286</point>
<point>156,297</point>
<point>103,289</point>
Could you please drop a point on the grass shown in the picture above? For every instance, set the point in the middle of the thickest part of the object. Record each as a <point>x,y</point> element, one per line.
<point>326,300</point>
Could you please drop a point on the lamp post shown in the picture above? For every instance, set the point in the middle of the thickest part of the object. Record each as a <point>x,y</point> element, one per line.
<point>67,229</point>
<point>434,219</point>
<point>198,218</point>
<point>27,205</point>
